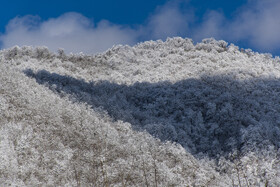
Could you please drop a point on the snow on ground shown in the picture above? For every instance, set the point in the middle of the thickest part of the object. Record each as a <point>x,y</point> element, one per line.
<point>156,114</point>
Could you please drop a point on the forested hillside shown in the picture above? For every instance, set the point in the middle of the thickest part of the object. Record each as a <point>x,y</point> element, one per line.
<point>159,113</point>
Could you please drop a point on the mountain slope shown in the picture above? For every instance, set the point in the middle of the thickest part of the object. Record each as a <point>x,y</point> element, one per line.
<point>160,113</point>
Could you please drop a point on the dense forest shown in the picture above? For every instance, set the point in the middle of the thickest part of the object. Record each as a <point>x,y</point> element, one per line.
<point>160,113</point>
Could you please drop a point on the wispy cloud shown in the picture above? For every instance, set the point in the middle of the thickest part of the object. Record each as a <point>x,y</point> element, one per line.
<point>211,26</point>
<point>257,23</point>
<point>71,31</point>
<point>75,33</point>
<point>168,21</point>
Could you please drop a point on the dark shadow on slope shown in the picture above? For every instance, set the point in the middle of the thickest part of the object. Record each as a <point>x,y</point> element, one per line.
<point>211,115</point>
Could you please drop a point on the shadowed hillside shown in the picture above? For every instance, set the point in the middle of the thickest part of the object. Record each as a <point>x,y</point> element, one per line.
<point>212,115</point>
<point>169,113</point>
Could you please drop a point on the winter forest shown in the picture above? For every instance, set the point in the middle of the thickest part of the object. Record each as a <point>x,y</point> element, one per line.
<point>160,113</point>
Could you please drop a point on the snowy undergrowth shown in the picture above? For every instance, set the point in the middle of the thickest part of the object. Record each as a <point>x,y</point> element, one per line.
<point>160,113</point>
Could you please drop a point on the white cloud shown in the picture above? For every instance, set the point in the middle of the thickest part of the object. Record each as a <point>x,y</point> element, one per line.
<point>257,23</point>
<point>211,26</point>
<point>76,33</point>
<point>71,31</point>
<point>168,21</point>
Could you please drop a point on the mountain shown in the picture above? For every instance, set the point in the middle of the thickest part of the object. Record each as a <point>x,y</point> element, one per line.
<point>170,113</point>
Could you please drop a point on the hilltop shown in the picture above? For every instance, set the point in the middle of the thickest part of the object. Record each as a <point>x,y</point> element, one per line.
<point>160,113</point>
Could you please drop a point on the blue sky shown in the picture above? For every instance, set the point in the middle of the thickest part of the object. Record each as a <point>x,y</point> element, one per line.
<point>94,26</point>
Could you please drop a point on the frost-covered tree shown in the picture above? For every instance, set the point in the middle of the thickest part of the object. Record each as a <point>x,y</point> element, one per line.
<point>169,113</point>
